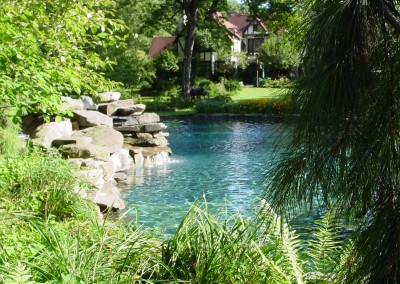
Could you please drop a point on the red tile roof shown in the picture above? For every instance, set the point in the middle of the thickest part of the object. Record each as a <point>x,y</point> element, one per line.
<point>158,44</point>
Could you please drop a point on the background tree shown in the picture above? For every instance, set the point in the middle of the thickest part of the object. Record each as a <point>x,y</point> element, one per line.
<point>343,148</point>
<point>193,10</point>
<point>145,19</point>
<point>48,49</point>
<point>279,55</point>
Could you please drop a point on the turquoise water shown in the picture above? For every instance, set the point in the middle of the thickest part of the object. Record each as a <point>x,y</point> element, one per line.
<point>221,159</point>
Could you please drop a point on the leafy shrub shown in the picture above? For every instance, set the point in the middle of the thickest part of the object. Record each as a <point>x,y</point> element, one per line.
<point>282,82</point>
<point>267,106</point>
<point>232,85</point>
<point>43,183</point>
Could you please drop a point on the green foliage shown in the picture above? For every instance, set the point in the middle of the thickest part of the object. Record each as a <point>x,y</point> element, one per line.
<point>233,86</point>
<point>278,53</point>
<point>48,49</point>
<point>282,82</point>
<point>166,61</point>
<point>40,182</point>
<point>10,143</point>
<point>228,249</point>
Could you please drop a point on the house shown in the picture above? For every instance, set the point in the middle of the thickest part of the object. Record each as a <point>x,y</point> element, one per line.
<point>246,36</point>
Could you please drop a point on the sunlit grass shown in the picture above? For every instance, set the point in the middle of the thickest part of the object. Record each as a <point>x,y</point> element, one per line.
<point>249,93</point>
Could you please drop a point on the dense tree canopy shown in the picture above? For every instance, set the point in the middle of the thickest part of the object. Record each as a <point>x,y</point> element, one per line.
<point>48,49</point>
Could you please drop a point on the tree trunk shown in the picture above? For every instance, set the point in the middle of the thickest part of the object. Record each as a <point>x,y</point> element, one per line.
<point>191,13</point>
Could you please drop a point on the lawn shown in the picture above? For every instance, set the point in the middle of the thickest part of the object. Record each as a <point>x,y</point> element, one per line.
<point>248,93</point>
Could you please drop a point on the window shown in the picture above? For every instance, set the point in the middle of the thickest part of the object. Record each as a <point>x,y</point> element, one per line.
<point>254,44</point>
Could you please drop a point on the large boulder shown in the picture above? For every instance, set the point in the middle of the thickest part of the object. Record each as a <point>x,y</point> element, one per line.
<point>65,140</point>
<point>103,136</point>
<point>44,134</point>
<point>130,110</point>
<point>88,118</point>
<point>85,151</point>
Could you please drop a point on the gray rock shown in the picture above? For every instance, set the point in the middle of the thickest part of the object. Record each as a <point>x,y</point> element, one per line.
<point>92,176</point>
<point>104,136</point>
<point>46,133</point>
<point>131,128</point>
<point>71,140</point>
<point>154,127</point>
<point>88,118</point>
<point>68,103</point>
<point>109,200</point>
<point>108,96</point>
<point>144,118</point>
<point>128,110</point>
<point>121,160</point>
<point>110,108</point>
<point>85,151</point>
<point>88,103</point>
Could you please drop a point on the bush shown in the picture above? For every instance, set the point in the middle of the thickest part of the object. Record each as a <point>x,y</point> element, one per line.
<point>282,82</point>
<point>232,86</point>
<point>43,183</point>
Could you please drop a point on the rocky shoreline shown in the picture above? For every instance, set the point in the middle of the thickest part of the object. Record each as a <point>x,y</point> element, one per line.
<point>104,138</point>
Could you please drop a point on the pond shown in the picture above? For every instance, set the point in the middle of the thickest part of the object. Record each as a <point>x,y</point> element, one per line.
<point>221,159</point>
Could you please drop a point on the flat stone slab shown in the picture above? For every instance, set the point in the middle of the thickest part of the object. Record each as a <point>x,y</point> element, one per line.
<point>88,118</point>
<point>144,118</point>
<point>154,127</point>
<point>45,134</point>
<point>110,108</point>
<point>128,110</point>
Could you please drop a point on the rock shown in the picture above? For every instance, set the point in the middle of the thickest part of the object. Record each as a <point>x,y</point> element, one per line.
<point>120,176</point>
<point>92,176</point>
<point>85,151</point>
<point>109,187</point>
<point>146,140</point>
<point>160,134</point>
<point>131,128</point>
<point>44,135</point>
<point>110,108</point>
<point>128,110</point>
<point>71,140</point>
<point>155,156</point>
<point>144,118</point>
<point>122,160</point>
<point>87,118</point>
<point>68,103</point>
<point>109,200</point>
<point>103,136</point>
<point>88,103</point>
<point>75,125</point>
<point>76,162</point>
<point>108,96</point>
<point>108,170</point>
<point>154,127</point>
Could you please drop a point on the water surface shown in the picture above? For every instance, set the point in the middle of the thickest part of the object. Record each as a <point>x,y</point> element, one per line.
<point>221,159</point>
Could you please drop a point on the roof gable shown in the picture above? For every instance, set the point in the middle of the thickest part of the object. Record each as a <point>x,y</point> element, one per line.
<point>159,44</point>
